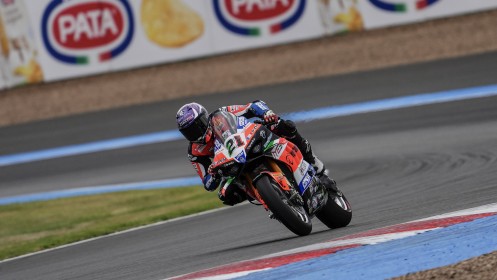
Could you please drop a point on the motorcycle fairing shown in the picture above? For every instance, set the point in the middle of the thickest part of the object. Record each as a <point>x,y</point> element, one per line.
<point>287,152</point>
<point>280,179</point>
<point>233,147</point>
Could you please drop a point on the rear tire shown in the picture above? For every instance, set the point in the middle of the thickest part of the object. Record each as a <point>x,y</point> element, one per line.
<point>336,213</point>
<point>294,217</point>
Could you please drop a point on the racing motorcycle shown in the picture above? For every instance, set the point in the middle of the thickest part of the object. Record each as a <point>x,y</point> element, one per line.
<point>272,172</point>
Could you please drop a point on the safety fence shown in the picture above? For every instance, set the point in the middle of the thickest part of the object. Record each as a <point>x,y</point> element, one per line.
<point>48,40</point>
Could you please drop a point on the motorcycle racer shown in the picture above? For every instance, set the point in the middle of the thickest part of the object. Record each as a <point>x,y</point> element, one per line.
<point>193,122</point>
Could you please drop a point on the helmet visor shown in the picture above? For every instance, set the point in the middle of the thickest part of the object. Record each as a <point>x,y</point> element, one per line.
<point>196,131</point>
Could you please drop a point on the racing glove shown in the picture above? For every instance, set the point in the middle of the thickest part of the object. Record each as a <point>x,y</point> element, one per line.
<point>270,117</point>
<point>211,182</point>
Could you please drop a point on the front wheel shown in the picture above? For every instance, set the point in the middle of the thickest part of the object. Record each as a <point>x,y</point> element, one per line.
<point>293,216</point>
<point>337,211</point>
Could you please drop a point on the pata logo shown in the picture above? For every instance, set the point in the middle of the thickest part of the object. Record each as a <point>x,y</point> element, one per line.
<point>73,30</point>
<point>255,17</point>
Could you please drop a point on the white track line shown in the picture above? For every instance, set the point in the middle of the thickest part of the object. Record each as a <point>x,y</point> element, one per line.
<point>115,234</point>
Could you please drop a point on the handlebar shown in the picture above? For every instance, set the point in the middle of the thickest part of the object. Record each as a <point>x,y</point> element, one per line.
<point>267,124</point>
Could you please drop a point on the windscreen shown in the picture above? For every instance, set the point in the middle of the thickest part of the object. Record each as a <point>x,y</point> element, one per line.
<point>223,125</point>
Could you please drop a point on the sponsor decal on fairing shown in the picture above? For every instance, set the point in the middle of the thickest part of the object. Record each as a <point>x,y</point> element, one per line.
<point>242,122</point>
<point>241,157</point>
<point>303,167</point>
<point>304,181</point>
<point>278,150</point>
<point>262,134</point>
<point>303,175</point>
<point>217,145</point>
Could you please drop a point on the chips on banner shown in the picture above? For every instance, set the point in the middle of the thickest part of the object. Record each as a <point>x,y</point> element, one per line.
<point>170,23</point>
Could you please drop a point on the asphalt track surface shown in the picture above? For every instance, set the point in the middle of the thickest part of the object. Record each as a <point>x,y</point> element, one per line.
<point>395,166</point>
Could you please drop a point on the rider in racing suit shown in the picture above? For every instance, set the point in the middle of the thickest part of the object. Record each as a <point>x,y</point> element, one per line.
<point>192,121</point>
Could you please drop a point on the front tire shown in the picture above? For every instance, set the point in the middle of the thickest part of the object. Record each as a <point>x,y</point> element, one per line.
<point>337,212</point>
<point>294,217</point>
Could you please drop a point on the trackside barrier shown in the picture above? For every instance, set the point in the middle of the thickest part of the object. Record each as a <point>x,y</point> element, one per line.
<point>48,40</point>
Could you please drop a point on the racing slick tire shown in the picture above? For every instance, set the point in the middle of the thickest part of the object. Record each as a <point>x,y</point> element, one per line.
<point>293,216</point>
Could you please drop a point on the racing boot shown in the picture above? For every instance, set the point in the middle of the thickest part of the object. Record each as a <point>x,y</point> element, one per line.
<point>323,174</point>
<point>232,194</point>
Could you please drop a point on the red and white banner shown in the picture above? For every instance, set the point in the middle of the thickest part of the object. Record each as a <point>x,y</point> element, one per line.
<point>47,40</point>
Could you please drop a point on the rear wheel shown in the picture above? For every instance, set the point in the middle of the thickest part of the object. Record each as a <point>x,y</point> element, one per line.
<point>337,211</point>
<point>292,215</point>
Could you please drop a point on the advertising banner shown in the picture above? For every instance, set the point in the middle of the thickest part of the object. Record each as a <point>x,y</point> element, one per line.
<point>47,40</point>
<point>243,24</point>
<point>18,51</point>
<point>81,37</point>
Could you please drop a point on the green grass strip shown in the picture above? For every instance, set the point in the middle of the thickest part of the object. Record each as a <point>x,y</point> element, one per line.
<point>31,227</point>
